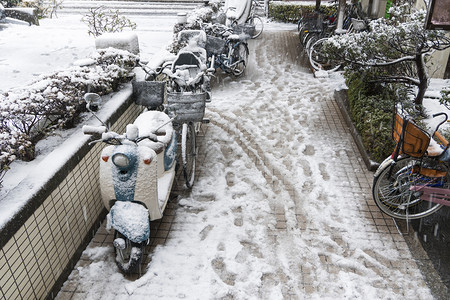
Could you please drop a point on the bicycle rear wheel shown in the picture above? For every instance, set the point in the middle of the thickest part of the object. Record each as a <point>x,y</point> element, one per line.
<point>239,58</point>
<point>259,25</point>
<point>188,153</point>
<point>395,194</point>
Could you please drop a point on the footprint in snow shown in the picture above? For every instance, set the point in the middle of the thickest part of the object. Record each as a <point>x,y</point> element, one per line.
<point>205,232</point>
<point>220,268</point>
<point>323,172</point>
<point>309,150</point>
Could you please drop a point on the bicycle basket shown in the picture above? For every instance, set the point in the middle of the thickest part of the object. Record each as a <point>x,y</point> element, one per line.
<point>411,139</point>
<point>149,93</point>
<point>186,107</point>
<point>245,29</point>
<point>215,45</point>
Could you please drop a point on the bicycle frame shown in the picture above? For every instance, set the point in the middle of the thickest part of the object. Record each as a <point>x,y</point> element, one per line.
<point>225,61</point>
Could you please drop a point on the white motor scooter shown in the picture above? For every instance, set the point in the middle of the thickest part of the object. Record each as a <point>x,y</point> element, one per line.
<point>137,170</point>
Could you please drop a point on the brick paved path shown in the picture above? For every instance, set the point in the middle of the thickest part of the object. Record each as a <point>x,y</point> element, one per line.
<point>316,230</point>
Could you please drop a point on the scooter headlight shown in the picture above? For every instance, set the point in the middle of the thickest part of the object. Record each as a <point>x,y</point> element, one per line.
<point>121,160</point>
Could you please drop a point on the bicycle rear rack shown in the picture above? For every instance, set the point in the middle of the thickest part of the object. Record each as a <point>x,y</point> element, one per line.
<point>433,194</point>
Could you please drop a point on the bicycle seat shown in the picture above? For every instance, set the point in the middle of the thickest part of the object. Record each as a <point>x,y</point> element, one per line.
<point>434,149</point>
<point>187,65</point>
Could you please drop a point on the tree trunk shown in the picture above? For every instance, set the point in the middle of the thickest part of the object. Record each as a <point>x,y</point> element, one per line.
<point>423,79</point>
<point>318,5</point>
<point>266,8</point>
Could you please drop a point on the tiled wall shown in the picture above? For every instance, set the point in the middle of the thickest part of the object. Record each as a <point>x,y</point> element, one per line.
<point>37,259</point>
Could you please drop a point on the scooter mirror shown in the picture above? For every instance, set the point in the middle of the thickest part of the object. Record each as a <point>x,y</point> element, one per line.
<point>92,101</point>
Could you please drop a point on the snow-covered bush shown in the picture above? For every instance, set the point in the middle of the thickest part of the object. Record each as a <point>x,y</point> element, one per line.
<point>394,50</point>
<point>292,13</point>
<point>55,101</point>
<point>10,3</point>
<point>101,20</point>
<point>370,107</point>
<point>445,96</point>
<point>45,9</point>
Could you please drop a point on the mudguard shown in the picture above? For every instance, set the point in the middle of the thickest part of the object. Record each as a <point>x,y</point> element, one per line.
<point>130,219</point>
<point>387,162</point>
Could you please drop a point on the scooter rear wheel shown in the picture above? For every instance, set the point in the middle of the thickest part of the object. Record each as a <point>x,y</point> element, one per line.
<point>189,153</point>
<point>129,258</point>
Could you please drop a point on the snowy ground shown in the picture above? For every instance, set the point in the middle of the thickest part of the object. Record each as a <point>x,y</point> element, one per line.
<point>279,209</point>
<point>268,161</point>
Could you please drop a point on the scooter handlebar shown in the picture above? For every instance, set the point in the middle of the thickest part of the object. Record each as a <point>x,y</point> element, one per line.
<point>94,130</point>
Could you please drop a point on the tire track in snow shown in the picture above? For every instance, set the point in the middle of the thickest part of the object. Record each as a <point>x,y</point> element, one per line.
<point>266,160</point>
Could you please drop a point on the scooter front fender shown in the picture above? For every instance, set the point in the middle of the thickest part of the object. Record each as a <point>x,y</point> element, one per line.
<point>130,219</point>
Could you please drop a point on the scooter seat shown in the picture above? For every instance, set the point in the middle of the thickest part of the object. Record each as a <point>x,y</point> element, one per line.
<point>155,122</point>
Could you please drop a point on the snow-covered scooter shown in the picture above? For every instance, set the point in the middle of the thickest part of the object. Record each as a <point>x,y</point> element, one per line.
<point>137,170</point>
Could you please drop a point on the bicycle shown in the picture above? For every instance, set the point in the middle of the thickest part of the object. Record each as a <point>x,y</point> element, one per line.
<point>253,25</point>
<point>186,95</point>
<point>226,50</point>
<point>318,58</point>
<point>414,181</point>
<point>315,25</point>
<point>255,20</point>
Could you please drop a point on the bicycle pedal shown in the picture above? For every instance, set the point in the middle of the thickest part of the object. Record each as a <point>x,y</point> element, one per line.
<point>205,121</point>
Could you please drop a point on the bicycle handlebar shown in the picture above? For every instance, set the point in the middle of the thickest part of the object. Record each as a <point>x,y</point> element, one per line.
<point>442,122</point>
<point>440,114</point>
<point>113,138</point>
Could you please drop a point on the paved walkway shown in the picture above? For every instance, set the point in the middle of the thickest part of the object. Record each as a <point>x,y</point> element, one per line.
<point>324,234</point>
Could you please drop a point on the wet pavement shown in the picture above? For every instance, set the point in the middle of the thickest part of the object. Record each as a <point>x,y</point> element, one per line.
<point>433,232</point>
<point>343,170</point>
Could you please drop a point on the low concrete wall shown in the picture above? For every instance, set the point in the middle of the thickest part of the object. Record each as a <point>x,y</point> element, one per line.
<point>42,242</point>
<point>23,13</point>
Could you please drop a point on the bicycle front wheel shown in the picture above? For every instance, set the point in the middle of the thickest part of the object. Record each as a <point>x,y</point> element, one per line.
<point>259,26</point>
<point>318,59</point>
<point>394,190</point>
<point>239,58</point>
<point>188,153</point>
